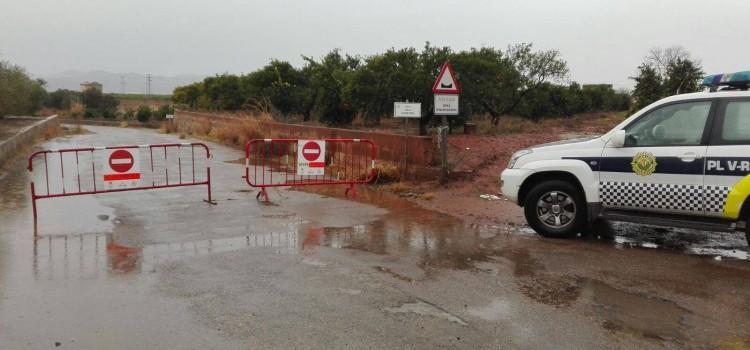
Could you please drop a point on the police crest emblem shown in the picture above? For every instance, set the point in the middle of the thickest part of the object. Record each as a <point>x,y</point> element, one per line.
<point>644,163</point>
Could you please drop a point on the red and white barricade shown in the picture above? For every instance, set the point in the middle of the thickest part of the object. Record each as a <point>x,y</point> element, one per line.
<point>293,162</point>
<point>94,170</point>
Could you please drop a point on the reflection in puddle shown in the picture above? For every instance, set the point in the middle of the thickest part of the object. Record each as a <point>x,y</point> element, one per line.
<point>718,244</point>
<point>89,256</point>
<point>638,314</point>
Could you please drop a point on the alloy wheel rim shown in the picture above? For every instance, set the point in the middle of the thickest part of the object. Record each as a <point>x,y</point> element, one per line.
<point>556,209</point>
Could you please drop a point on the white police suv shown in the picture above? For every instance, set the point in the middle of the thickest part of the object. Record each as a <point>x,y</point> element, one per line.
<point>683,161</point>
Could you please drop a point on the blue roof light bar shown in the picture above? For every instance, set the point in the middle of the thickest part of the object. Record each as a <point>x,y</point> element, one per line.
<point>739,79</point>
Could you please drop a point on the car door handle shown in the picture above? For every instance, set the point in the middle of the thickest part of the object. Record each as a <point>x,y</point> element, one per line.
<point>689,157</point>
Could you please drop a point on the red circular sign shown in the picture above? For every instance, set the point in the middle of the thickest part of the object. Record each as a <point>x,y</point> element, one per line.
<point>311,151</point>
<point>121,161</point>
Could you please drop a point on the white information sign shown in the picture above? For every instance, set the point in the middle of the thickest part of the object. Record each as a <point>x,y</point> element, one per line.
<point>407,110</point>
<point>446,104</point>
<point>122,168</point>
<point>311,157</point>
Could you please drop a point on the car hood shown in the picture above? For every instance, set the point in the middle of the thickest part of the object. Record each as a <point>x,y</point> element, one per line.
<point>583,142</point>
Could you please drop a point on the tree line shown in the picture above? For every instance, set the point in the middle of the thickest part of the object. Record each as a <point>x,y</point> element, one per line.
<point>518,80</point>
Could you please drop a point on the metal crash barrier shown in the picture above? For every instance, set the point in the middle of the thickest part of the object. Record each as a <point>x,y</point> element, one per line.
<point>293,162</point>
<point>94,170</point>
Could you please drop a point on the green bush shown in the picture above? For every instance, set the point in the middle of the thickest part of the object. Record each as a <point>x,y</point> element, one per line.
<point>129,114</point>
<point>143,114</point>
<point>161,112</point>
<point>62,99</point>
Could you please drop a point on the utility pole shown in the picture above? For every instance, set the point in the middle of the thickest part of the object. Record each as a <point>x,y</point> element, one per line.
<point>148,86</point>
<point>122,84</point>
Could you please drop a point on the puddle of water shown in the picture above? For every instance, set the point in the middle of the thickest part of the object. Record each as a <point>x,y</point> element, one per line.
<point>497,310</point>
<point>638,314</point>
<point>424,309</point>
<point>88,256</point>
<point>721,244</point>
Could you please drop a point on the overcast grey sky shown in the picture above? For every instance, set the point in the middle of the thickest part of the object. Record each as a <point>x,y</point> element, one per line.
<point>602,40</point>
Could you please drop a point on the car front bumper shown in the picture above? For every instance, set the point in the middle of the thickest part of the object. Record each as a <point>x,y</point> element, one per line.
<point>511,180</point>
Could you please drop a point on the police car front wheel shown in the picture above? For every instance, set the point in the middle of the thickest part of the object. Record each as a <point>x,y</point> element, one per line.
<point>555,209</point>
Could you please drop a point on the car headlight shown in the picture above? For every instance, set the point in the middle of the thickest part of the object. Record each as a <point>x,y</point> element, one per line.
<point>514,158</point>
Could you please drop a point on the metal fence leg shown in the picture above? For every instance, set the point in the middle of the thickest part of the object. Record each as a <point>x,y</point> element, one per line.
<point>208,176</point>
<point>33,208</point>
<point>351,190</point>
<point>262,194</point>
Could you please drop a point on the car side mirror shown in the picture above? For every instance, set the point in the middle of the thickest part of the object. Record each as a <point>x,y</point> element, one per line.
<point>617,140</point>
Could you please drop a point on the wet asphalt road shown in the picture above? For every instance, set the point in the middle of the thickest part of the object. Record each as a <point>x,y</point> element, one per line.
<point>162,269</point>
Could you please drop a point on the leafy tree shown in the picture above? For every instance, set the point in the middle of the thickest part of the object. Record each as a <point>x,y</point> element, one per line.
<point>188,95</point>
<point>666,72</point>
<point>278,82</point>
<point>683,76</point>
<point>99,104</point>
<point>19,94</point>
<point>329,80</point>
<point>396,75</point>
<point>504,79</point>
<point>648,86</point>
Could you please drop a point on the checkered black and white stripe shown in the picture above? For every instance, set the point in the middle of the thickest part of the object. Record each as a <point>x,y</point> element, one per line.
<point>652,196</point>
<point>716,198</point>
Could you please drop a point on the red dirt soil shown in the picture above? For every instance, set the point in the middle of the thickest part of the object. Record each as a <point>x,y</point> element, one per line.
<point>478,162</point>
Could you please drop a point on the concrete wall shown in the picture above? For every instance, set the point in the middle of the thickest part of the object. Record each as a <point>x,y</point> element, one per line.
<point>419,151</point>
<point>26,136</point>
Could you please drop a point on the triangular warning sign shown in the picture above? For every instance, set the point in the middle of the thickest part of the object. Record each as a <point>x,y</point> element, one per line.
<point>446,82</point>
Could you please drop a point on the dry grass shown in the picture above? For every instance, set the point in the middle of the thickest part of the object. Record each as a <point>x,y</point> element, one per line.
<point>398,187</point>
<point>52,132</point>
<point>593,122</point>
<point>238,134</point>
<point>388,172</point>
<point>124,124</point>
<point>77,129</point>
<point>167,127</point>
<point>77,109</point>
<point>428,196</point>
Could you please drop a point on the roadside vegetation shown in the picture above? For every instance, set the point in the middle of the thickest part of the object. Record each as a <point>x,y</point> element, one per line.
<point>339,88</point>
<point>93,104</point>
<point>519,81</point>
<point>19,93</point>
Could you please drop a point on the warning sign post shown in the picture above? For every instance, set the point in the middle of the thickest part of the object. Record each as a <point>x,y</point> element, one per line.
<point>446,90</point>
<point>311,158</point>
<point>122,168</point>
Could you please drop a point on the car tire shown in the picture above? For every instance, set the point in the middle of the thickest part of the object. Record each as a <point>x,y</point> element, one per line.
<point>555,209</point>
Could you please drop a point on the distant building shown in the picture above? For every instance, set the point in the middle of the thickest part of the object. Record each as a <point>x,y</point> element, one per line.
<point>91,85</point>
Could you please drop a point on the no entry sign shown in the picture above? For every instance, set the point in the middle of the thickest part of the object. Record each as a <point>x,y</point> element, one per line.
<point>311,155</point>
<point>121,168</point>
